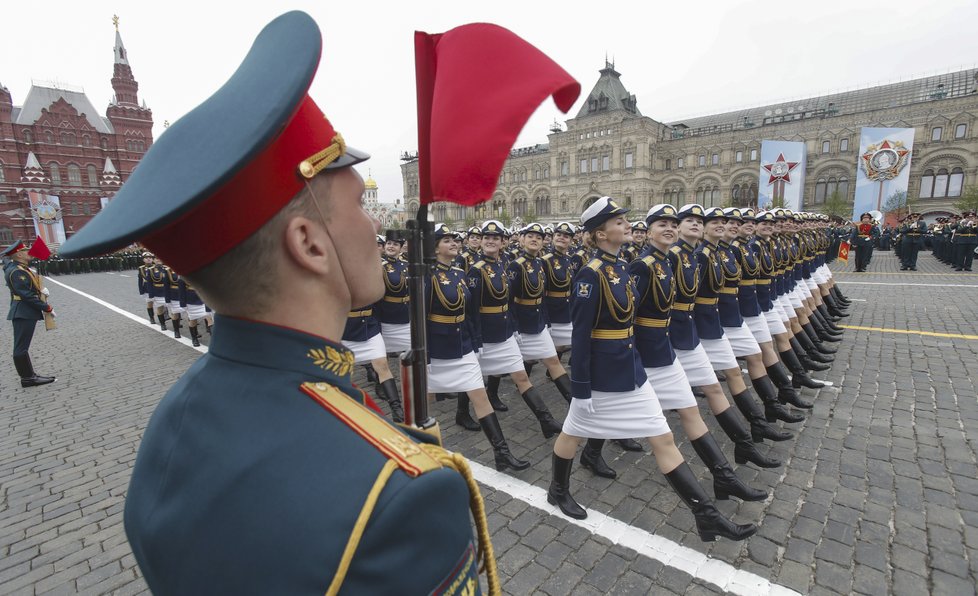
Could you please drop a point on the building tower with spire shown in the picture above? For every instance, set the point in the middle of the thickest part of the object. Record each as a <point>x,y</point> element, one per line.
<point>59,150</point>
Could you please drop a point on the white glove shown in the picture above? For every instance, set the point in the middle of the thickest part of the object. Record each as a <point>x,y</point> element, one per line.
<point>586,405</point>
<point>53,316</point>
<point>45,292</point>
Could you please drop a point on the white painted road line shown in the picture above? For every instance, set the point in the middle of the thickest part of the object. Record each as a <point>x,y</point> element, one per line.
<point>142,321</point>
<point>879,283</point>
<point>710,570</point>
<point>714,571</point>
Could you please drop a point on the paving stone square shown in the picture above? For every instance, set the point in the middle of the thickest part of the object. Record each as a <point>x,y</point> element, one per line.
<point>878,493</point>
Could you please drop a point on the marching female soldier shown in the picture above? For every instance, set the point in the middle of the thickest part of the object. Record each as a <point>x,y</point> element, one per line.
<point>692,355</point>
<point>195,308</point>
<point>526,287</point>
<point>362,336</point>
<point>560,270</point>
<point>453,365</point>
<point>744,250</point>
<point>612,395</point>
<point>494,329</point>
<point>142,281</point>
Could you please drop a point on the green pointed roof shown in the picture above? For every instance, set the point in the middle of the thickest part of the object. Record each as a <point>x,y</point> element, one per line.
<point>609,95</point>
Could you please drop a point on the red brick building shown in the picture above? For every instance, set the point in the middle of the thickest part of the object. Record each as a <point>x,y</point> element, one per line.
<point>56,144</point>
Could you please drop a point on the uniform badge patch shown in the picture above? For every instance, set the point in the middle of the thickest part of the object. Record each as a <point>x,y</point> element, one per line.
<point>583,290</point>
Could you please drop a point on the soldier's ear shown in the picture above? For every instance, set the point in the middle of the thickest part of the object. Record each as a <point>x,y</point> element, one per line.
<point>308,245</point>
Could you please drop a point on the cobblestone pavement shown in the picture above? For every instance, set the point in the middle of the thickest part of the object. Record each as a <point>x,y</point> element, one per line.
<point>878,495</point>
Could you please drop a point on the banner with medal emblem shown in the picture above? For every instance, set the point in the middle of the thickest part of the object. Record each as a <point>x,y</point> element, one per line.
<point>782,178</point>
<point>883,169</point>
<point>46,211</point>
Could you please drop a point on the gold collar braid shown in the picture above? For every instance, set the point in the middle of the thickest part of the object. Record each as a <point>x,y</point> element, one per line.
<point>486,555</point>
<point>317,162</point>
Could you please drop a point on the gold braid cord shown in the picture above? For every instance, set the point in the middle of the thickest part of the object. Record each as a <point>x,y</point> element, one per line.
<point>368,507</point>
<point>486,555</point>
<point>317,162</point>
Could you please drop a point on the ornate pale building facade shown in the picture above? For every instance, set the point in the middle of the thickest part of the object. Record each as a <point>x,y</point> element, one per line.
<point>611,148</point>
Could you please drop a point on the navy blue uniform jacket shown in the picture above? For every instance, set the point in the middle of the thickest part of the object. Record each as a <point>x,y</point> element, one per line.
<point>603,354</point>
<point>246,484</point>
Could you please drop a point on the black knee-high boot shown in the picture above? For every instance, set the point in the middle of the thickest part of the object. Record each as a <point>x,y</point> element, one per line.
<point>388,392</point>
<point>559,492</point>
<point>163,319</point>
<point>823,326</point>
<point>799,369</point>
<point>462,416</point>
<point>194,336</point>
<point>710,523</point>
<point>176,329</point>
<point>500,449</point>
<point>492,389</point>
<point>759,426</point>
<point>745,450</point>
<point>725,482</point>
<point>815,351</point>
<point>563,384</point>
<point>773,410</point>
<point>548,425</point>
<point>786,392</point>
<point>152,314</point>
<point>591,459</point>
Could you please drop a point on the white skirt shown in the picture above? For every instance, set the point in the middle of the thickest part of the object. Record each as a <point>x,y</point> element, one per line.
<point>758,326</point>
<point>617,415</point>
<point>158,301</point>
<point>823,274</point>
<point>501,358</point>
<point>720,353</point>
<point>741,340</point>
<point>787,311</point>
<point>560,333</point>
<point>795,298</point>
<point>671,386</point>
<point>696,365</point>
<point>775,324</point>
<point>450,376</point>
<point>536,346</point>
<point>174,307</point>
<point>812,286</point>
<point>397,336</point>
<point>195,312</point>
<point>367,351</point>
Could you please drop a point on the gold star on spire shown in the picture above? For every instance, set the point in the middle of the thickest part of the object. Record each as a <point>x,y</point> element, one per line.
<point>115,21</point>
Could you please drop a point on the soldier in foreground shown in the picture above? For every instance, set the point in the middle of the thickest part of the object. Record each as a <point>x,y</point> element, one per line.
<point>264,469</point>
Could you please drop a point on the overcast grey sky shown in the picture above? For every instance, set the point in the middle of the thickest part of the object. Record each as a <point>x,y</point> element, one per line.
<point>680,58</point>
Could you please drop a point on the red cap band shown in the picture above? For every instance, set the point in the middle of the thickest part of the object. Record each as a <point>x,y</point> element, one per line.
<point>248,200</point>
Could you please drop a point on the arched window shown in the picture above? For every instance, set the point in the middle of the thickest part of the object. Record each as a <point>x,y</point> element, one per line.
<point>927,185</point>
<point>820,188</point>
<point>48,136</point>
<point>831,187</point>
<point>955,183</point>
<point>752,195</point>
<point>74,175</point>
<point>844,188</point>
<point>3,177</point>
<point>104,143</point>
<point>735,195</point>
<point>498,207</point>
<point>92,175</point>
<point>67,138</point>
<point>940,183</point>
<point>715,195</point>
<point>6,236</point>
<point>86,140</point>
<point>55,173</point>
<point>542,205</point>
<point>28,136</point>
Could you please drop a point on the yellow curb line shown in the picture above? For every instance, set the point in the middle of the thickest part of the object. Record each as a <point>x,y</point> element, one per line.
<point>910,331</point>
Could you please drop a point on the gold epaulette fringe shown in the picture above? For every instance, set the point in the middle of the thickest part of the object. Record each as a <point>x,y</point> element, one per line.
<point>486,555</point>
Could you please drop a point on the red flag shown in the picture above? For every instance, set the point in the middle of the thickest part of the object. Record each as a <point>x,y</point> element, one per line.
<point>40,250</point>
<point>478,84</point>
<point>844,251</point>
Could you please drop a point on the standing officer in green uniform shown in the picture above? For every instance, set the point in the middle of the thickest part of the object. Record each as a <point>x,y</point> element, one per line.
<point>28,303</point>
<point>264,470</point>
<point>965,240</point>
<point>913,231</point>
